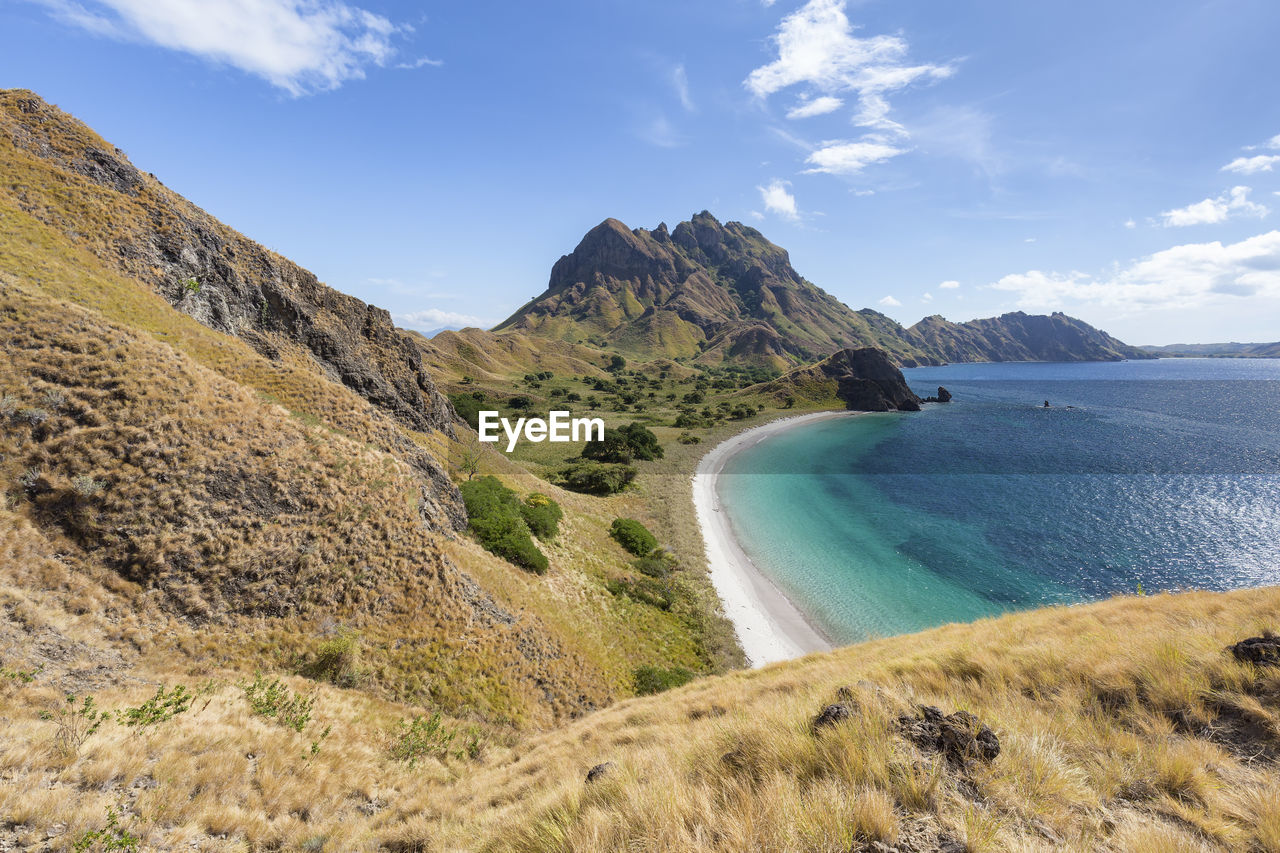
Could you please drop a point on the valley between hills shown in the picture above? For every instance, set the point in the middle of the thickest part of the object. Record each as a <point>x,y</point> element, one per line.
<point>263,590</point>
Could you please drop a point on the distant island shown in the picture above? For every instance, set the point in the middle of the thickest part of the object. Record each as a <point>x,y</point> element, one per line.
<point>1228,350</point>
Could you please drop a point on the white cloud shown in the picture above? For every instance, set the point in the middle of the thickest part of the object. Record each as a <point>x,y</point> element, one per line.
<point>810,107</point>
<point>680,80</point>
<point>431,319</point>
<point>1274,142</point>
<point>817,49</point>
<point>1214,210</point>
<point>301,46</point>
<point>1186,276</point>
<point>420,62</point>
<point>1252,165</point>
<point>928,297</point>
<point>890,302</point>
<point>778,199</point>
<point>949,285</point>
<point>1130,224</point>
<point>848,158</point>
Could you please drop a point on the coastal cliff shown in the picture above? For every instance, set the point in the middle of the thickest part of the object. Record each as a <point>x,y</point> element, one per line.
<point>865,380</point>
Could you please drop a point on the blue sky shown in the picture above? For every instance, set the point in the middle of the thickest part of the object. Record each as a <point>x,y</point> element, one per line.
<point>1118,161</point>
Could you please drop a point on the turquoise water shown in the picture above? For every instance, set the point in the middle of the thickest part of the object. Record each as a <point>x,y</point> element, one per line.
<point>1165,474</point>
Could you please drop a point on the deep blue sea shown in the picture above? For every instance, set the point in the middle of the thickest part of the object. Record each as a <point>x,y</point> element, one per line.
<point>1145,474</point>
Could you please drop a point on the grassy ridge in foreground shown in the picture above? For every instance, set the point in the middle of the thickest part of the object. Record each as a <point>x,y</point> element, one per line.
<point>1123,725</point>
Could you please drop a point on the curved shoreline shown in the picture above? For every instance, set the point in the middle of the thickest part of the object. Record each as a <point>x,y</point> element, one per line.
<point>769,626</point>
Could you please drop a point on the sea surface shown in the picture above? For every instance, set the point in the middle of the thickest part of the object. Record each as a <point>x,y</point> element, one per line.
<point>1142,475</point>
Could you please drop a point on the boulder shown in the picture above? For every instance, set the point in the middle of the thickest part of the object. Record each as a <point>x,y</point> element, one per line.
<point>1263,651</point>
<point>960,736</point>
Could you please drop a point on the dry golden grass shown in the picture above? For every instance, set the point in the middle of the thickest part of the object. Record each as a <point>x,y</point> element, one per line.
<point>1097,754</point>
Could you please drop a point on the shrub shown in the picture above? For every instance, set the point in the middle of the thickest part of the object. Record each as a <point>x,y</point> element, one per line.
<point>633,536</point>
<point>428,737</point>
<point>595,478</point>
<point>75,723</point>
<point>468,407</point>
<point>85,486</point>
<point>658,564</point>
<point>163,706</point>
<point>542,514</point>
<point>112,837</point>
<point>646,590</point>
<point>498,523</point>
<point>274,699</point>
<point>337,660</point>
<point>689,438</point>
<point>651,679</point>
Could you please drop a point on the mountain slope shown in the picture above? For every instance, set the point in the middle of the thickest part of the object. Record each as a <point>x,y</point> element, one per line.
<point>1227,350</point>
<point>706,290</point>
<point>60,173</point>
<point>723,293</point>
<point>1020,337</point>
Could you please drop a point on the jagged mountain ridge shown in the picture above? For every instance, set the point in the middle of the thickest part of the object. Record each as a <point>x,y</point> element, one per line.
<point>705,290</point>
<point>715,292</point>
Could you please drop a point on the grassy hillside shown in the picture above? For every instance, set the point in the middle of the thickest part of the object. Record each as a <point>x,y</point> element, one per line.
<point>1124,725</point>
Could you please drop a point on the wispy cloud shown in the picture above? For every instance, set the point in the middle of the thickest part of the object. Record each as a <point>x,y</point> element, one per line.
<point>1252,165</point>
<point>890,302</point>
<point>810,107</point>
<point>849,158</point>
<point>1186,276</point>
<point>430,319</point>
<point>680,80</point>
<point>300,46</point>
<point>949,285</point>
<point>777,198</point>
<point>1213,210</point>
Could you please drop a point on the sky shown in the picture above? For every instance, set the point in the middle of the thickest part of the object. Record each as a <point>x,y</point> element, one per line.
<point>1116,161</point>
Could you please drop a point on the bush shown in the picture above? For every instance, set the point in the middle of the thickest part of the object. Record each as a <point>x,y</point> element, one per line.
<point>658,564</point>
<point>542,514</point>
<point>633,536</point>
<point>656,593</point>
<point>595,478</point>
<point>689,438</point>
<point>428,737</point>
<point>498,523</point>
<point>163,706</point>
<point>651,679</point>
<point>274,699</point>
<point>337,660</point>
<point>468,407</point>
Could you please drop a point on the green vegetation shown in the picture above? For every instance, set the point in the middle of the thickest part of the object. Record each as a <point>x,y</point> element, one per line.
<point>542,514</point>
<point>652,679</point>
<point>112,838</point>
<point>336,660</point>
<point>497,520</point>
<point>633,536</point>
<point>595,478</point>
<point>163,706</point>
<point>75,723</point>
<point>430,737</point>
<point>274,699</point>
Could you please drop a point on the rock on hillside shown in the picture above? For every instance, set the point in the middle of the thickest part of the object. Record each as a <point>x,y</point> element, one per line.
<point>705,290</point>
<point>62,173</point>
<point>866,380</point>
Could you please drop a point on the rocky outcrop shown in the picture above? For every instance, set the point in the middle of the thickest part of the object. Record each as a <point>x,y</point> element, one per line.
<point>943,396</point>
<point>868,381</point>
<point>959,736</point>
<point>219,277</point>
<point>1262,651</point>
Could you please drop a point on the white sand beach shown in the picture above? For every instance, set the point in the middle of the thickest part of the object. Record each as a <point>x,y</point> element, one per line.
<point>770,628</point>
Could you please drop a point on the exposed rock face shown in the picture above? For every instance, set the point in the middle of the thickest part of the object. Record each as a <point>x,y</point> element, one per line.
<point>868,381</point>
<point>960,736</point>
<point>221,278</point>
<point>706,290</point>
<point>1263,651</point>
<point>1019,337</point>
